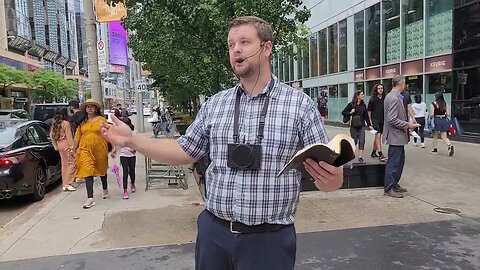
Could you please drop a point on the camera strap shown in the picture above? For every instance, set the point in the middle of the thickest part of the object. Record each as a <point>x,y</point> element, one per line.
<point>263,114</point>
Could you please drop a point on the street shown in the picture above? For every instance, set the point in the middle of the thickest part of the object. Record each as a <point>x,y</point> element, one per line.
<point>346,229</point>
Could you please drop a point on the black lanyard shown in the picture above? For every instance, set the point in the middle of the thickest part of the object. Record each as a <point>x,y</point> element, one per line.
<point>262,114</point>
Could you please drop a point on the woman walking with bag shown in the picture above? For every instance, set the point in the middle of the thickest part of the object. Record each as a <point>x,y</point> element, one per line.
<point>62,140</point>
<point>440,112</point>
<point>357,111</point>
<point>92,151</point>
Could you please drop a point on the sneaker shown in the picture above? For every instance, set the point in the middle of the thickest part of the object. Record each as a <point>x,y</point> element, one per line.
<point>415,144</point>
<point>89,203</point>
<point>399,189</point>
<point>125,195</point>
<point>423,146</point>
<point>434,151</point>
<point>105,194</point>
<point>68,188</point>
<point>392,193</point>
<point>383,158</point>
<point>374,154</point>
<point>133,188</point>
<point>360,160</point>
<point>451,151</point>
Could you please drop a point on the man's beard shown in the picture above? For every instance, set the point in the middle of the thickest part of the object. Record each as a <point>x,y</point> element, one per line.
<point>245,72</point>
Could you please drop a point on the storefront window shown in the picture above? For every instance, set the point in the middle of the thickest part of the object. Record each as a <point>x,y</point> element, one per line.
<point>334,105</point>
<point>306,60</point>
<point>342,42</point>
<point>467,28</point>
<point>413,14</point>
<point>343,90</point>
<point>314,54</point>
<point>360,86</point>
<point>322,36</point>
<point>439,26</point>
<point>466,99</point>
<point>333,48</point>
<point>359,21</point>
<point>391,11</point>
<point>373,35</point>
<point>414,84</point>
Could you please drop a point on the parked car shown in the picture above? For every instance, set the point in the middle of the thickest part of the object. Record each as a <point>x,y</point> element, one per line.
<point>44,111</point>
<point>13,113</point>
<point>28,161</point>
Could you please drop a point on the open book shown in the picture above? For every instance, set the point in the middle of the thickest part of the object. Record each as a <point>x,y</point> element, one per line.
<point>339,151</point>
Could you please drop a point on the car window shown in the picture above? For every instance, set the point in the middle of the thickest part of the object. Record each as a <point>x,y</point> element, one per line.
<point>21,114</point>
<point>42,132</point>
<point>36,134</point>
<point>46,130</point>
<point>44,112</point>
<point>7,135</point>
<point>4,113</point>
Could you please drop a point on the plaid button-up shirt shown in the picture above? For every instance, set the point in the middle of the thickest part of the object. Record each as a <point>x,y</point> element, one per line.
<point>254,196</point>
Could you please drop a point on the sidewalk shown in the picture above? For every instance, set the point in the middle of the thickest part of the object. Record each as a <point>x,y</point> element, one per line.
<point>166,216</point>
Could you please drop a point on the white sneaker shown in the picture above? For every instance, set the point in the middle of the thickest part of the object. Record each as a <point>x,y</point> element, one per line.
<point>89,203</point>
<point>423,145</point>
<point>68,188</point>
<point>415,144</point>
<point>105,194</point>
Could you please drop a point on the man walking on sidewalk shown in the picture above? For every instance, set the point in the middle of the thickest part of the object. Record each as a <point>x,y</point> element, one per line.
<point>248,219</point>
<point>396,130</point>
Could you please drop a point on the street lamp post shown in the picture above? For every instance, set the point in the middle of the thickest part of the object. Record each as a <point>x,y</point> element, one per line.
<point>91,35</point>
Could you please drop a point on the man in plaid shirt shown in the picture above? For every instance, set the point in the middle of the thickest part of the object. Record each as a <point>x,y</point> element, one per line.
<point>249,213</point>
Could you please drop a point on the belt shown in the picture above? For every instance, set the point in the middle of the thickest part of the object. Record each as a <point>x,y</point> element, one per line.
<point>238,227</point>
<point>440,116</point>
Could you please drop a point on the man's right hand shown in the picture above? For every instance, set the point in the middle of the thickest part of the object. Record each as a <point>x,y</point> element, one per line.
<point>412,125</point>
<point>118,133</point>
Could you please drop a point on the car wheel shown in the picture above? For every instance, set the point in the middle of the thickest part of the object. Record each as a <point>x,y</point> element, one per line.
<point>39,184</point>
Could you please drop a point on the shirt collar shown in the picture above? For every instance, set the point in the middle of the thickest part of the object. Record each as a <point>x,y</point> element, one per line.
<point>264,90</point>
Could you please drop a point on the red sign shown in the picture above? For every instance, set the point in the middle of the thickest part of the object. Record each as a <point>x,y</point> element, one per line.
<point>116,69</point>
<point>390,71</point>
<point>439,63</point>
<point>412,68</point>
<point>359,75</point>
<point>372,73</point>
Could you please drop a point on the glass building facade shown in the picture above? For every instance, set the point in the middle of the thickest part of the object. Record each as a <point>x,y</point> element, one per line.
<point>435,44</point>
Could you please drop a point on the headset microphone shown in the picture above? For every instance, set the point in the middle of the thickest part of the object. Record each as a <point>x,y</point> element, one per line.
<point>242,59</point>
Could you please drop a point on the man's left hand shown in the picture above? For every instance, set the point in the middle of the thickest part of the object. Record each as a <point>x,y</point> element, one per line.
<point>327,177</point>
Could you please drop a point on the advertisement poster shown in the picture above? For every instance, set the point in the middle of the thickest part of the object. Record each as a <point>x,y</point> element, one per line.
<point>110,12</point>
<point>118,44</point>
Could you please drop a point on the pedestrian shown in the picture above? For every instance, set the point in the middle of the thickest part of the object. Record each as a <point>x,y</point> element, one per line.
<point>248,221</point>
<point>62,140</point>
<point>92,151</point>
<point>128,160</point>
<point>396,136</point>
<point>77,117</point>
<point>419,109</point>
<point>439,112</point>
<point>375,113</point>
<point>357,111</point>
<point>322,102</point>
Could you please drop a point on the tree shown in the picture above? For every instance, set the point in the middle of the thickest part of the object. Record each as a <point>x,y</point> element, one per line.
<point>9,76</point>
<point>183,42</point>
<point>50,86</point>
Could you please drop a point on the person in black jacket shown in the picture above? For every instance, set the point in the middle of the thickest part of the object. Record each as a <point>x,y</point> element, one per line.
<point>357,111</point>
<point>376,114</point>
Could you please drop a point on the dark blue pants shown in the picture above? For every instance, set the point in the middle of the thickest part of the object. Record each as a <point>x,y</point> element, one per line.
<point>219,249</point>
<point>394,167</point>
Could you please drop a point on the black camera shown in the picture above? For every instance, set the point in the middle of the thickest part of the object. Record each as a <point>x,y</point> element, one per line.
<point>244,156</point>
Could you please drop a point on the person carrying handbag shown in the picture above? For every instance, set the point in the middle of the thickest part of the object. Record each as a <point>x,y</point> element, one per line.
<point>357,113</point>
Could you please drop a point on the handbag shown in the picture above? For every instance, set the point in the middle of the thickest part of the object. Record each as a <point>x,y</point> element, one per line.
<point>356,122</point>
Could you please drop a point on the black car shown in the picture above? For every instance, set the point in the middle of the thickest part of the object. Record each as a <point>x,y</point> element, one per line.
<point>28,161</point>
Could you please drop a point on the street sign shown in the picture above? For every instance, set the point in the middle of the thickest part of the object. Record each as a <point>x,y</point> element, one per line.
<point>102,57</point>
<point>140,86</point>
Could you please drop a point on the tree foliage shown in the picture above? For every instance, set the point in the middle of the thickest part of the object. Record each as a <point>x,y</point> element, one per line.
<point>183,42</point>
<point>9,76</point>
<point>50,86</point>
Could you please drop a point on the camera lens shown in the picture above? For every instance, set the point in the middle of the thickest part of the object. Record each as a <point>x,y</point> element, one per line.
<point>243,156</point>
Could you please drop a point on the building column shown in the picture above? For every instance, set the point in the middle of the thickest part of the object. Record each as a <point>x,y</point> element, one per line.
<point>3,27</point>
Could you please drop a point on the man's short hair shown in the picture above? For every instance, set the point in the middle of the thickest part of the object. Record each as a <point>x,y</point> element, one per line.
<point>119,105</point>
<point>264,29</point>
<point>397,80</point>
<point>74,104</point>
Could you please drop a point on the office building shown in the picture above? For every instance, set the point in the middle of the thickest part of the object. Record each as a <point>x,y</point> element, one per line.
<point>356,44</point>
